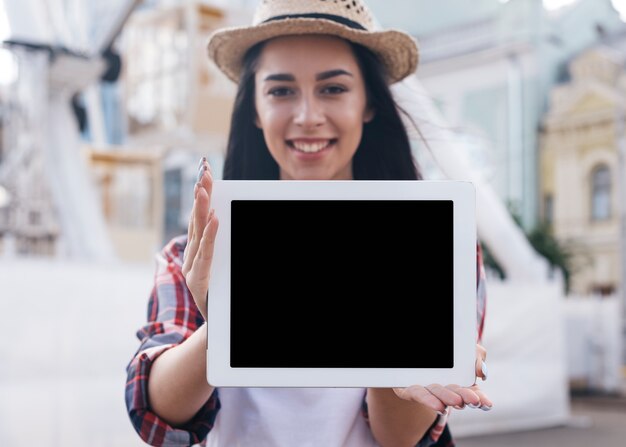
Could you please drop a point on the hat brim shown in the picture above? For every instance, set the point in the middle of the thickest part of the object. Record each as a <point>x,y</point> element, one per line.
<point>397,51</point>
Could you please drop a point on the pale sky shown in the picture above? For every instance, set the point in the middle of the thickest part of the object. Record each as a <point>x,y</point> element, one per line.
<point>4,23</point>
<point>556,4</point>
<point>619,5</point>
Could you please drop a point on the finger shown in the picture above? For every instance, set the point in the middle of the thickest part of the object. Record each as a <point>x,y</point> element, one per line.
<point>202,263</point>
<point>207,244</point>
<point>467,394</point>
<point>190,228</point>
<point>481,352</point>
<point>201,166</point>
<point>481,369</point>
<point>417,393</point>
<point>189,253</point>
<point>480,365</point>
<point>445,395</point>
<point>194,232</point>
<point>485,402</point>
<point>201,211</point>
<point>206,180</point>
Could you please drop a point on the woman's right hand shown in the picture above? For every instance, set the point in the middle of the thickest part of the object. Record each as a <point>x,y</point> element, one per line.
<point>201,234</point>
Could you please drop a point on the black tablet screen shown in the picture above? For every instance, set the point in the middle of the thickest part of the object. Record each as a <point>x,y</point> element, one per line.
<point>341,284</point>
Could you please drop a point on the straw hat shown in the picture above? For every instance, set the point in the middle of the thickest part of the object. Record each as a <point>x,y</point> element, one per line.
<point>349,19</point>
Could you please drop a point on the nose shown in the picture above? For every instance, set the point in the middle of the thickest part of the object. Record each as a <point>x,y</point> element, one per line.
<point>309,112</point>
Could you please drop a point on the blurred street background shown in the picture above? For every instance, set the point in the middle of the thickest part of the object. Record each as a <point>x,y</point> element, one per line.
<point>106,107</point>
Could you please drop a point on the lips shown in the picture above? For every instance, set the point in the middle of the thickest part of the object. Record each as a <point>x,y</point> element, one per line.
<point>311,146</point>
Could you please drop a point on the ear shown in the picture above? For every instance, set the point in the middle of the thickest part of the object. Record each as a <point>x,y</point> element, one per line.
<point>369,114</point>
<point>257,123</point>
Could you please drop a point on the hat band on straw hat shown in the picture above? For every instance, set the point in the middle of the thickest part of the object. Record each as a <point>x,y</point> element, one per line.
<point>396,50</point>
<point>341,20</point>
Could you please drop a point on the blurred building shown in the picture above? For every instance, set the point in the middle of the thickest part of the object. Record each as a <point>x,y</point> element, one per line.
<point>173,96</point>
<point>580,167</point>
<point>142,132</point>
<point>175,101</point>
<point>176,108</point>
<point>490,65</point>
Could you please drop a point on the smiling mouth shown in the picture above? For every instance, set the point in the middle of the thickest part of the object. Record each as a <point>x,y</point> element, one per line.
<point>310,148</point>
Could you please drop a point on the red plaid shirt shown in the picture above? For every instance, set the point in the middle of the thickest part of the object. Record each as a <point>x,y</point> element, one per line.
<point>172,318</point>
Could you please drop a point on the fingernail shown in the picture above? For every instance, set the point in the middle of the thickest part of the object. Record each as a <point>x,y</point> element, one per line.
<point>459,407</point>
<point>483,369</point>
<point>443,413</point>
<point>473,406</point>
<point>201,172</point>
<point>195,190</point>
<point>485,407</point>
<point>202,160</point>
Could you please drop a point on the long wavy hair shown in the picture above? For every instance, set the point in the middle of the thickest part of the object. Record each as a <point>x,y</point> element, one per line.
<point>384,152</point>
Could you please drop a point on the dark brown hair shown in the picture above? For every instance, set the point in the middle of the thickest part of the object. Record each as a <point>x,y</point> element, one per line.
<point>384,152</point>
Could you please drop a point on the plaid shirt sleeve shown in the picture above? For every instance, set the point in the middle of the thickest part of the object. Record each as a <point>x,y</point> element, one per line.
<point>172,318</point>
<point>481,291</point>
<point>439,434</point>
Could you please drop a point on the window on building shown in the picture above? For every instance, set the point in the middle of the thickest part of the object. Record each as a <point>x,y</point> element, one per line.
<point>602,289</point>
<point>600,193</point>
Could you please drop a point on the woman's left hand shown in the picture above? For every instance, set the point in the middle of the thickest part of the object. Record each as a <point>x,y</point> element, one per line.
<point>439,397</point>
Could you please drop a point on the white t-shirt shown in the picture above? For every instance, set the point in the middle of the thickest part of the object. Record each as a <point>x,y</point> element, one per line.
<point>290,417</point>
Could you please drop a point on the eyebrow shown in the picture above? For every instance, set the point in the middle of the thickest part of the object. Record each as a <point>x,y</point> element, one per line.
<point>318,77</point>
<point>331,74</point>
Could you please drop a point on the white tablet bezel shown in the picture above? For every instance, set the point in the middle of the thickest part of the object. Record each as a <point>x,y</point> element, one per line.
<point>462,194</point>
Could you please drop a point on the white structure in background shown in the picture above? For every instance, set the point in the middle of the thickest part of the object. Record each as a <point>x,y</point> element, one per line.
<point>496,227</point>
<point>594,345</point>
<point>74,345</point>
<point>28,222</point>
<point>43,33</point>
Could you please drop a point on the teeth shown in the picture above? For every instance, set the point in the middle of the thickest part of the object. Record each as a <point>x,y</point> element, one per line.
<point>310,147</point>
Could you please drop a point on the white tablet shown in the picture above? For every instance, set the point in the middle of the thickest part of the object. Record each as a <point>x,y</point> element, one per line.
<point>343,284</point>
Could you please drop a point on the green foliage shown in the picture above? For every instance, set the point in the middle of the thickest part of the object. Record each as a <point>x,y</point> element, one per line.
<point>491,263</point>
<point>559,255</point>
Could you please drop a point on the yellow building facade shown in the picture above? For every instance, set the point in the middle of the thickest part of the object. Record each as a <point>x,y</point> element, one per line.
<point>580,188</point>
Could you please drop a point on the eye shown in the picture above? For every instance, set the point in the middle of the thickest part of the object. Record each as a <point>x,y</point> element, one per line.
<point>334,89</point>
<point>280,91</point>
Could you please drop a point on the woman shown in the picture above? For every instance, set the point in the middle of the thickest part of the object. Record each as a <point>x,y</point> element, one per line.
<point>313,103</point>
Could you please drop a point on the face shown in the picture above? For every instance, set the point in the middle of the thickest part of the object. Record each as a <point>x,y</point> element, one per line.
<point>311,106</point>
